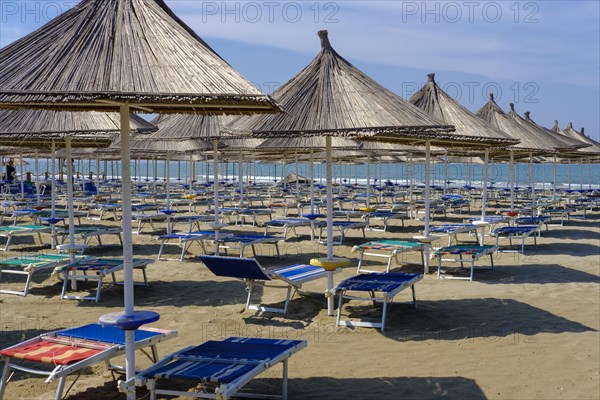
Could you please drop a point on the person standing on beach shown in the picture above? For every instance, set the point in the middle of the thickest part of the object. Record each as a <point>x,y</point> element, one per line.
<point>10,171</point>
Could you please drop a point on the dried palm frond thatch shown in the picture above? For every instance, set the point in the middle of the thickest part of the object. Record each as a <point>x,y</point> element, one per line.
<point>532,139</point>
<point>574,143</point>
<point>437,103</point>
<point>38,128</point>
<point>332,97</point>
<point>104,52</point>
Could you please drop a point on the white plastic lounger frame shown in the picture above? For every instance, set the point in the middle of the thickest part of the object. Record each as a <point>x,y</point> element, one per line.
<point>389,284</point>
<point>109,350</point>
<point>464,254</point>
<point>251,272</point>
<point>28,265</point>
<point>96,269</point>
<point>225,378</point>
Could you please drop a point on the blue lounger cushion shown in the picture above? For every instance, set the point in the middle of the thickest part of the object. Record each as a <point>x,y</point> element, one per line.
<point>105,334</point>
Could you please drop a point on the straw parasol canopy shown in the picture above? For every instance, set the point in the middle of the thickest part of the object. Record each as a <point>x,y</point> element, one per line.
<point>571,132</point>
<point>533,139</point>
<point>437,103</point>
<point>331,97</point>
<point>173,137</point>
<point>574,143</point>
<point>38,128</point>
<point>104,52</point>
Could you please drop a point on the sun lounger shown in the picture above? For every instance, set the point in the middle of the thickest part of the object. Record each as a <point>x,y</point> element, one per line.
<point>64,214</point>
<point>342,227</point>
<point>96,269</point>
<point>193,221</point>
<point>30,264</point>
<point>463,254</point>
<point>251,272</point>
<point>562,213</point>
<point>387,249</point>
<point>386,217</point>
<point>242,241</point>
<point>253,214</point>
<point>87,232</point>
<point>387,284</point>
<point>541,220</point>
<point>9,232</point>
<point>104,208</point>
<point>186,239</point>
<point>64,352</point>
<point>452,230</point>
<point>143,219</point>
<point>223,366</point>
<point>516,232</point>
<point>287,224</point>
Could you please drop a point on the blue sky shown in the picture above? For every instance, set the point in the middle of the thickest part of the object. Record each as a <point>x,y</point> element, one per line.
<point>544,56</point>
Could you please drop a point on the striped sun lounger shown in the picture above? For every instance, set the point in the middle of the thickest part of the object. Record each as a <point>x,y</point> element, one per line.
<point>59,354</point>
<point>387,249</point>
<point>96,269</point>
<point>511,233</point>
<point>388,285</point>
<point>251,272</point>
<point>462,254</point>
<point>223,368</point>
<point>28,265</point>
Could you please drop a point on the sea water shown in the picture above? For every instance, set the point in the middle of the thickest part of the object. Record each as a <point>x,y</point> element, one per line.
<point>456,174</point>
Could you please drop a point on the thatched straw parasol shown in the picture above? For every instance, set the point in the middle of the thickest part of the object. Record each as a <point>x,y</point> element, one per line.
<point>437,103</point>
<point>117,55</point>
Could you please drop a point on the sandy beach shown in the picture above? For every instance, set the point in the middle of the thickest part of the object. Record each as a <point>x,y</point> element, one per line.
<point>526,330</point>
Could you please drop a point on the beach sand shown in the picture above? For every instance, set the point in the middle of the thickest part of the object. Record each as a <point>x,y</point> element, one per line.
<point>526,330</point>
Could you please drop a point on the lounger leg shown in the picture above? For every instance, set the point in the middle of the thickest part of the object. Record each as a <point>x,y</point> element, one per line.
<point>160,250</point>
<point>360,260</point>
<point>60,388</point>
<point>414,296</point>
<point>287,299</point>
<point>339,312</point>
<point>250,290</point>
<point>385,306</point>
<point>284,388</point>
<point>99,288</point>
<point>4,379</point>
<point>26,290</point>
<point>472,268</point>
<point>145,276</point>
<point>439,267</point>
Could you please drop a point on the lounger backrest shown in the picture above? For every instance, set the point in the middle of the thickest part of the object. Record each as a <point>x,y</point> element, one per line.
<point>233,267</point>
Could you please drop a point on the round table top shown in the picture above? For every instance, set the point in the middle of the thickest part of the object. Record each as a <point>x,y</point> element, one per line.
<point>129,322</point>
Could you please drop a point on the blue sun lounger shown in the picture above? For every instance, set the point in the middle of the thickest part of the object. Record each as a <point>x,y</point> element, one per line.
<point>91,268</point>
<point>462,254</point>
<point>342,227</point>
<point>287,224</point>
<point>387,284</point>
<point>452,230</point>
<point>251,272</point>
<point>386,217</point>
<point>186,239</point>
<point>242,241</point>
<point>224,366</point>
<point>61,353</point>
<point>539,220</point>
<point>516,232</point>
